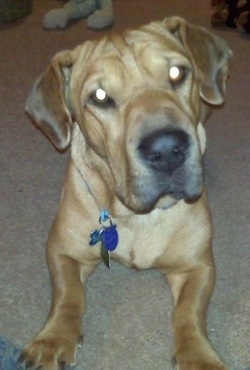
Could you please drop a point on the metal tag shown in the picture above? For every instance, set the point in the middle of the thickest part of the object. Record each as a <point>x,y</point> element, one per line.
<point>105,256</point>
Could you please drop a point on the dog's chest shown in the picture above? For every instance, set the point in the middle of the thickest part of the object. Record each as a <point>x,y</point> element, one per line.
<point>142,240</point>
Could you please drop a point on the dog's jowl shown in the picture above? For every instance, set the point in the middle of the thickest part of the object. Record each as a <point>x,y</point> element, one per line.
<point>132,109</point>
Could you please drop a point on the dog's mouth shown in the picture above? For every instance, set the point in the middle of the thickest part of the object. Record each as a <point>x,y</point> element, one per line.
<point>150,196</point>
<point>169,200</point>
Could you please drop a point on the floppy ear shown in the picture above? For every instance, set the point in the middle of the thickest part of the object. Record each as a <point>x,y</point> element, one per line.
<point>47,104</point>
<point>211,56</point>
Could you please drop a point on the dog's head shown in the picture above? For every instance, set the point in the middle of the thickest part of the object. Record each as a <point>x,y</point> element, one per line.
<point>136,102</point>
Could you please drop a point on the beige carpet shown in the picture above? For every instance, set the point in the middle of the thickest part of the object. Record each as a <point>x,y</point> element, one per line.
<point>128,320</point>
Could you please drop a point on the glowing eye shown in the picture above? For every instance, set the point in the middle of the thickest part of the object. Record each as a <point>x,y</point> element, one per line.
<point>100,96</point>
<point>100,99</point>
<point>177,74</point>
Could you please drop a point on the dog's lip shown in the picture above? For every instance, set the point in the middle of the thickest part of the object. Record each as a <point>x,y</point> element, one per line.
<point>171,199</point>
<point>193,199</point>
<point>160,202</point>
<point>181,195</point>
<point>178,195</point>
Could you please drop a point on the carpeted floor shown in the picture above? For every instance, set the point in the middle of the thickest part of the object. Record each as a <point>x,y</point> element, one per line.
<point>128,321</point>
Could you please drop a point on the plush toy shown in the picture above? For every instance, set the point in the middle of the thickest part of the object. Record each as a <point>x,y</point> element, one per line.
<point>244,19</point>
<point>99,13</point>
<point>220,12</point>
<point>233,13</point>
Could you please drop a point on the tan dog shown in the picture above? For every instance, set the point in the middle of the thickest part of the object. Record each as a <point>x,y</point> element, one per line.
<point>132,106</point>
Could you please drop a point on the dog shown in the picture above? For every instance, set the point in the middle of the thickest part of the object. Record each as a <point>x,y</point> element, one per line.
<point>132,107</point>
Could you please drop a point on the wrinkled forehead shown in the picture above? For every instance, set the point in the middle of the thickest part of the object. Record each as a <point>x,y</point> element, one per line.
<point>132,57</point>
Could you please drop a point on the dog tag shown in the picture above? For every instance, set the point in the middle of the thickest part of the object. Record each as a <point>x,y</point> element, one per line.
<point>107,235</point>
<point>96,236</point>
<point>105,254</point>
<point>109,238</point>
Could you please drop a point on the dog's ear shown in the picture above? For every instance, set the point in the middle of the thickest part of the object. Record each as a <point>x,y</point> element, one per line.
<point>211,56</point>
<point>47,104</point>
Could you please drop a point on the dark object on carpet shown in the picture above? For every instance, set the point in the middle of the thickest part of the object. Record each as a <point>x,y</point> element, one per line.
<point>232,13</point>
<point>11,10</point>
<point>9,355</point>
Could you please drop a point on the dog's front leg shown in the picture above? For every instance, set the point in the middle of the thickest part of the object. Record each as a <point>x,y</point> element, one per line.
<point>56,344</point>
<point>192,291</point>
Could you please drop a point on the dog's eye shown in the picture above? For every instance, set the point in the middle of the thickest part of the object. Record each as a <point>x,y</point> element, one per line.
<point>177,74</point>
<point>101,98</point>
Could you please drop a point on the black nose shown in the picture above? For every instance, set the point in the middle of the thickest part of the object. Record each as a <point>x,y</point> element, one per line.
<point>164,150</point>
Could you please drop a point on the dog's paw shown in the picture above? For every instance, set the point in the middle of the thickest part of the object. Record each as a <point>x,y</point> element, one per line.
<point>198,364</point>
<point>50,353</point>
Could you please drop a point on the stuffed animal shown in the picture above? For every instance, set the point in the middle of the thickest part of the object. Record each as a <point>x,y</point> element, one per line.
<point>99,13</point>
<point>243,22</point>
<point>233,13</point>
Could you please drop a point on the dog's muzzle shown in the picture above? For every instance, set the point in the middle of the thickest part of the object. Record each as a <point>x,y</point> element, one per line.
<point>163,152</point>
<point>170,169</point>
<point>173,167</point>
